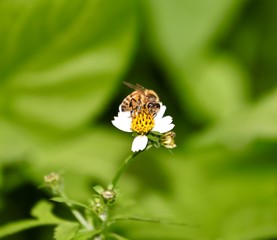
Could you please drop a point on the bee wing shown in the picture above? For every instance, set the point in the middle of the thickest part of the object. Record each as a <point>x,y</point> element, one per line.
<point>136,87</point>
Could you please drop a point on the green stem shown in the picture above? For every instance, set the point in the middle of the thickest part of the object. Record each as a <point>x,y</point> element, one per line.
<point>122,168</point>
<point>77,214</point>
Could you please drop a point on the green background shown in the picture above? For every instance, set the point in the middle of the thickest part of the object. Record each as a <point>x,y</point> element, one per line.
<point>213,64</point>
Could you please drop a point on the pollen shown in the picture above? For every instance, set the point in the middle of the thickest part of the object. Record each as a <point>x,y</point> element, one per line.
<point>142,122</point>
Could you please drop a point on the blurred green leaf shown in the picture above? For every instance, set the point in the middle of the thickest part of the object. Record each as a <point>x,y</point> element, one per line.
<point>85,235</point>
<point>60,61</point>
<point>60,64</point>
<point>178,30</point>
<point>216,88</point>
<point>256,221</point>
<point>180,35</point>
<point>94,153</point>
<point>256,122</point>
<point>65,231</point>
<point>15,142</point>
<point>15,227</point>
<point>42,211</point>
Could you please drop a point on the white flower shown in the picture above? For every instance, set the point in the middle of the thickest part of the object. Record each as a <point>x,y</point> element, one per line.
<point>143,123</point>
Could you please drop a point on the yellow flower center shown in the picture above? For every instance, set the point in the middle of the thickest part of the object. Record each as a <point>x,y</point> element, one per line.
<point>142,122</point>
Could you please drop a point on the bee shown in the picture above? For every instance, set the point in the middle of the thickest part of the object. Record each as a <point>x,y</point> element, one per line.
<point>140,99</point>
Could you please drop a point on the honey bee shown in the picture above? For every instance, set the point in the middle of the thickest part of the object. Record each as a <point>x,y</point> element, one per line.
<point>139,99</point>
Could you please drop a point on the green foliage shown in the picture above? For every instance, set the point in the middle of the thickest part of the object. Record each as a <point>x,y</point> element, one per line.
<point>42,212</point>
<point>85,235</point>
<point>213,64</point>
<point>66,231</point>
<point>211,84</point>
<point>54,77</point>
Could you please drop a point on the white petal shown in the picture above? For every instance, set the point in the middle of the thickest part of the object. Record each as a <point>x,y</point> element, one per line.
<point>124,115</point>
<point>124,124</point>
<point>163,125</point>
<point>165,120</point>
<point>161,111</point>
<point>139,143</point>
<point>166,128</point>
<point>123,121</point>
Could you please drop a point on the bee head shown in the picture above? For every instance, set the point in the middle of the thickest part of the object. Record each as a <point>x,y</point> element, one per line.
<point>153,107</point>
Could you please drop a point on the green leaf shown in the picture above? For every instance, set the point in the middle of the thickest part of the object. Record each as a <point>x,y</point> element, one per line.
<point>41,211</point>
<point>85,235</point>
<point>215,87</point>
<point>99,189</point>
<point>66,231</point>
<point>15,227</point>
<point>14,142</point>
<point>256,221</point>
<point>256,122</point>
<point>178,30</point>
<point>60,62</point>
<point>94,152</point>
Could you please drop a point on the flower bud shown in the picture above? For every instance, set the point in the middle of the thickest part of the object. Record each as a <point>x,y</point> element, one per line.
<point>167,140</point>
<point>54,182</point>
<point>97,205</point>
<point>108,196</point>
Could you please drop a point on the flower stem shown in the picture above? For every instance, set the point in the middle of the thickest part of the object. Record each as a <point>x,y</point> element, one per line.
<point>77,214</point>
<point>123,166</point>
